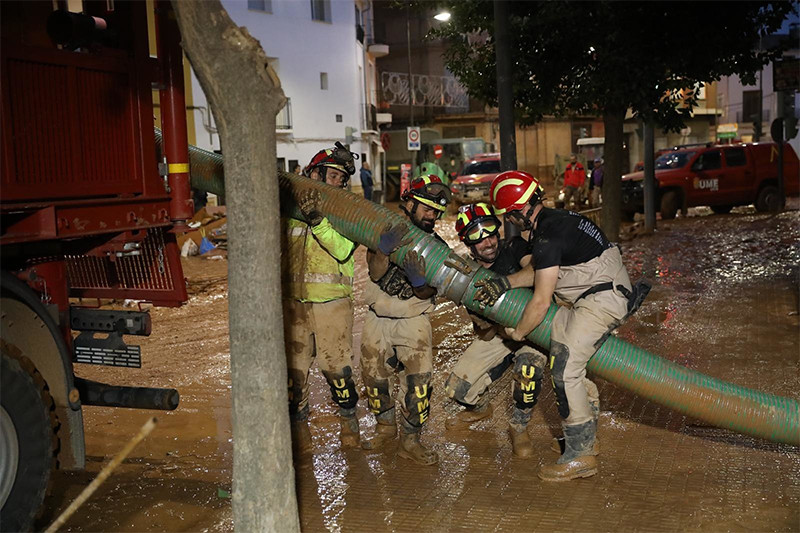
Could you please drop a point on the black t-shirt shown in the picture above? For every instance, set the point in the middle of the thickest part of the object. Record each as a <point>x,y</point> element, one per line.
<point>509,256</point>
<point>565,238</point>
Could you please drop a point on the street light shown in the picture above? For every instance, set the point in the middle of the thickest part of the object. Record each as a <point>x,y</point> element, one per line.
<point>444,16</point>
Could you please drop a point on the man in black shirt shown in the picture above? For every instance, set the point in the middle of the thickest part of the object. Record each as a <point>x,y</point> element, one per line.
<point>574,261</point>
<point>493,352</point>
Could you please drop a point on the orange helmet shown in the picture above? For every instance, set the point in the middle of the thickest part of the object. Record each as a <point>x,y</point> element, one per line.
<point>428,190</point>
<point>511,190</point>
<point>476,222</point>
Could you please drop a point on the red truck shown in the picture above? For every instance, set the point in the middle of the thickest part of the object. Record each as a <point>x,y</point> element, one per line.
<point>87,212</point>
<point>719,176</point>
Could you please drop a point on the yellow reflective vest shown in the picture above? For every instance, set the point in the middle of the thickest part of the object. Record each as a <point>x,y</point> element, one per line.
<point>317,262</point>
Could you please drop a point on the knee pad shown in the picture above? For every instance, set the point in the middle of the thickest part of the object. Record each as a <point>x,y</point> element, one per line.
<point>418,398</point>
<point>496,371</point>
<point>378,396</point>
<point>343,388</point>
<point>296,382</point>
<point>457,389</point>
<point>528,373</point>
<point>559,355</point>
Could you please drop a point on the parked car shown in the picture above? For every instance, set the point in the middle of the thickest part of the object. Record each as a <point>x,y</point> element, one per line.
<point>719,176</point>
<point>473,182</point>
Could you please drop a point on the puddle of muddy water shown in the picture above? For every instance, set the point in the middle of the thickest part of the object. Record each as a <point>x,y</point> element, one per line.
<point>725,303</point>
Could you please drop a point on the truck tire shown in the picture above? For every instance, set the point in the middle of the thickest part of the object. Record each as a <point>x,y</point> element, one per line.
<point>768,199</point>
<point>670,203</point>
<point>28,443</point>
<point>721,209</point>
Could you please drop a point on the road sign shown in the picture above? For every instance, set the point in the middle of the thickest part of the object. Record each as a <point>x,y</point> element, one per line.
<point>413,138</point>
<point>386,141</point>
<point>438,151</point>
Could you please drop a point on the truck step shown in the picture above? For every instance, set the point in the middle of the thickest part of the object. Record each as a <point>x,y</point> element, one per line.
<point>109,351</point>
<point>123,322</point>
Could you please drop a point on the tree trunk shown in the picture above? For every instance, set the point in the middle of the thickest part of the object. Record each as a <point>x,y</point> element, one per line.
<point>245,95</point>
<point>612,173</point>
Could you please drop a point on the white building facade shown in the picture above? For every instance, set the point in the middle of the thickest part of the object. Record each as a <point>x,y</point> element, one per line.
<point>320,49</point>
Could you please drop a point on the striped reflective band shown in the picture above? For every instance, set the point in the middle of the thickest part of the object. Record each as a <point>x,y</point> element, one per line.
<point>178,168</point>
<point>298,231</point>
<point>310,277</point>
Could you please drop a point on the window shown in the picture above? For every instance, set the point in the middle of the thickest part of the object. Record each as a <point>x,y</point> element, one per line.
<point>734,157</point>
<point>293,164</point>
<point>359,26</point>
<point>323,81</point>
<point>321,10</point>
<point>708,161</point>
<point>482,167</point>
<point>673,160</point>
<point>338,118</point>
<point>750,101</point>
<point>282,164</point>
<point>260,5</point>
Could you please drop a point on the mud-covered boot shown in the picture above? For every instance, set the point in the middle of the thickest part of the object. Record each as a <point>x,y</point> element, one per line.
<point>385,431</point>
<point>301,437</point>
<point>520,440</point>
<point>462,419</point>
<point>576,461</point>
<point>349,434</point>
<point>411,447</point>
<point>558,445</point>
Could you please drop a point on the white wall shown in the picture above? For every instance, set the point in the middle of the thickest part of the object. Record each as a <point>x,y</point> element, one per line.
<point>303,48</point>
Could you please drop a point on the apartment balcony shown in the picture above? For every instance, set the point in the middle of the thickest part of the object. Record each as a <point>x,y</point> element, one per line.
<point>283,120</point>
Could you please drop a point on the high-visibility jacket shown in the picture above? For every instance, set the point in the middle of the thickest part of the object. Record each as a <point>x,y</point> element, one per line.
<point>574,175</point>
<point>317,262</point>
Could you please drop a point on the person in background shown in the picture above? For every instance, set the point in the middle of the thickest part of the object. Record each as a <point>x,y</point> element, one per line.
<point>574,178</point>
<point>366,180</point>
<point>596,183</point>
<point>297,169</point>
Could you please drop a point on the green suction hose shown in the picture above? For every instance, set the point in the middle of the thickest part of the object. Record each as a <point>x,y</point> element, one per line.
<point>717,402</point>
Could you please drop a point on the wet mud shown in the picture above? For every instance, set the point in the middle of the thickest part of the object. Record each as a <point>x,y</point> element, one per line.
<point>725,302</point>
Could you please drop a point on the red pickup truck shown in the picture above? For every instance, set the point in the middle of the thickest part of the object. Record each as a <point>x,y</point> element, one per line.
<point>719,176</point>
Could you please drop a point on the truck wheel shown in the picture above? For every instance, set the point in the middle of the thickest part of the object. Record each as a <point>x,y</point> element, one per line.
<point>28,442</point>
<point>670,203</point>
<point>721,209</point>
<point>768,199</point>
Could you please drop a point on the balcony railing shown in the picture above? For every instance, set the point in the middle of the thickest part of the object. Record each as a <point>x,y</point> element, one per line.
<point>429,90</point>
<point>283,120</point>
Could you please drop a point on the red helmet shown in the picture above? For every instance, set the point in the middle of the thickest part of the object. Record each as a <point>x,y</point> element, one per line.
<point>428,190</point>
<point>511,190</point>
<point>476,222</point>
<point>337,157</point>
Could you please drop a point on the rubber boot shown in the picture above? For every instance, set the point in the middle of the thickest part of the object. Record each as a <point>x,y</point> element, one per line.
<point>412,448</point>
<point>520,440</point>
<point>385,431</point>
<point>470,415</point>
<point>558,444</point>
<point>576,461</point>
<point>349,434</point>
<point>301,437</point>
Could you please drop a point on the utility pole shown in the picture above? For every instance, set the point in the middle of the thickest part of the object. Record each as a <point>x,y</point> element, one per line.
<point>505,98</point>
<point>410,90</point>
<point>649,177</point>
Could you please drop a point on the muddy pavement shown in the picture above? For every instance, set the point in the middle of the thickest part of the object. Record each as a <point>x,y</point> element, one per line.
<point>725,302</point>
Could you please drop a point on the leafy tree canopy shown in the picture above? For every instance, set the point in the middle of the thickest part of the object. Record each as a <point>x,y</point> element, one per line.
<point>608,56</point>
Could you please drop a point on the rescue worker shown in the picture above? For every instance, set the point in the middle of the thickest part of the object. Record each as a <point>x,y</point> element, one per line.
<point>573,260</point>
<point>397,330</point>
<point>318,302</point>
<point>574,178</point>
<point>488,357</point>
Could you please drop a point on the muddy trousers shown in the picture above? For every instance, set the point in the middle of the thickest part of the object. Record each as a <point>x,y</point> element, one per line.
<point>485,361</point>
<point>321,331</point>
<point>405,346</point>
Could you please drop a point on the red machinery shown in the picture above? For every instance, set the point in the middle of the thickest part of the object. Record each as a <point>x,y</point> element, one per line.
<point>86,211</point>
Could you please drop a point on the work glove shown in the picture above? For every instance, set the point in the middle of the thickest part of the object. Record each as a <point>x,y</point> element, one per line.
<point>392,238</point>
<point>308,202</point>
<point>491,289</point>
<point>414,267</point>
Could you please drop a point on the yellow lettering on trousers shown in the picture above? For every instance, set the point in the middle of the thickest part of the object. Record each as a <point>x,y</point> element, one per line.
<point>531,385</point>
<point>527,397</point>
<point>423,405</point>
<point>372,392</point>
<point>552,360</point>
<point>339,383</point>
<point>424,391</point>
<point>423,416</point>
<point>343,393</point>
<point>526,369</point>
<point>375,404</point>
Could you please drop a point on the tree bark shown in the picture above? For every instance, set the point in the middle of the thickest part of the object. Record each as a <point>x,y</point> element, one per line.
<point>612,174</point>
<point>245,94</point>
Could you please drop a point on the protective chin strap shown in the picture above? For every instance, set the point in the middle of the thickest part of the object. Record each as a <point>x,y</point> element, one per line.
<point>413,212</point>
<point>474,251</point>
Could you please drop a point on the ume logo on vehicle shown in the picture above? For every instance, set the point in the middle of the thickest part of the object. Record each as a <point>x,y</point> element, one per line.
<point>710,184</point>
